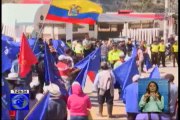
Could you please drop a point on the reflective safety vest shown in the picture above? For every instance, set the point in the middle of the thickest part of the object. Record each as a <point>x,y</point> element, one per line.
<point>155,48</point>
<point>118,63</point>
<point>162,47</point>
<point>175,48</point>
<point>113,55</point>
<point>78,49</point>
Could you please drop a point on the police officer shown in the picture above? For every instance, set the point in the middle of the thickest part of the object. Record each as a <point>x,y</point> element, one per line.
<point>120,61</point>
<point>175,53</point>
<point>79,50</point>
<point>113,55</point>
<point>162,49</point>
<point>154,52</point>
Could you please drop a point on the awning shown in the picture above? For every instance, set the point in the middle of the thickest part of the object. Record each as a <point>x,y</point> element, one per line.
<point>133,17</point>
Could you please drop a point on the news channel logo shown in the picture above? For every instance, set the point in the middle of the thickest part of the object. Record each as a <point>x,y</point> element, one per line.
<point>19,100</point>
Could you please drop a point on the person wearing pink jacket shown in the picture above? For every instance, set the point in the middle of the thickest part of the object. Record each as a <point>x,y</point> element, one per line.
<point>78,103</point>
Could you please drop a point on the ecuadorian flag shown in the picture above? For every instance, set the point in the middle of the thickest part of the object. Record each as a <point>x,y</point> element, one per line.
<point>74,11</point>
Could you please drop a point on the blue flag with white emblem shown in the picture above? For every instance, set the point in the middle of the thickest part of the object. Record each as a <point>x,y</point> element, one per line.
<point>11,49</point>
<point>40,110</point>
<point>6,63</point>
<point>124,73</point>
<point>51,71</point>
<point>89,66</point>
<point>60,46</point>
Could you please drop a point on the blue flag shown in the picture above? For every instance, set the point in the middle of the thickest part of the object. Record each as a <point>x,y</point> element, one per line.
<point>6,38</point>
<point>81,64</point>
<point>5,113</point>
<point>89,66</point>
<point>81,78</point>
<point>94,64</point>
<point>6,63</point>
<point>124,73</point>
<point>51,71</point>
<point>5,93</point>
<point>60,46</point>
<point>39,112</point>
<point>11,49</point>
<point>32,43</point>
<point>155,73</point>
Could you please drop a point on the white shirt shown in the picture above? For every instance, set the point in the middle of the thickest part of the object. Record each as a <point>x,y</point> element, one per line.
<point>96,81</point>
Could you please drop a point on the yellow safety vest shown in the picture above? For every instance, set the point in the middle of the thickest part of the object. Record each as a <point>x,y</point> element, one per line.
<point>78,49</point>
<point>155,48</point>
<point>175,48</point>
<point>145,46</point>
<point>113,55</point>
<point>162,48</point>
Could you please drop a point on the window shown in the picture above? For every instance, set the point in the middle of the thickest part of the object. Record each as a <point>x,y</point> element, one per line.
<point>91,27</point>
<point>114,28</point>
<point>158,1</point>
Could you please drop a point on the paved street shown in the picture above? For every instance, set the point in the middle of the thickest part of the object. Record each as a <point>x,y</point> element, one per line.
<point>119,108</point>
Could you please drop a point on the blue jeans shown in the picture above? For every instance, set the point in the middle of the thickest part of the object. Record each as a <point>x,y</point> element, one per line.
<point>79,118</point>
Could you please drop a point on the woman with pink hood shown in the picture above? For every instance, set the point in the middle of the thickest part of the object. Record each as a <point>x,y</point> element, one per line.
<point>78,103</point>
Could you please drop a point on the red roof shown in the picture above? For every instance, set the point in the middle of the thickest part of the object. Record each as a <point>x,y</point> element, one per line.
<point>145,15</point>
<point>124,11</point>
<point>35,1</point>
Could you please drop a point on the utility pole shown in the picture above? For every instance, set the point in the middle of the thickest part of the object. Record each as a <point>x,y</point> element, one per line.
<point>165,21</point>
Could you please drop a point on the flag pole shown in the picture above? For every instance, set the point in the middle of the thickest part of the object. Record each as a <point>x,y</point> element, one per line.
<point>37,103</point>
<point>40,31</point>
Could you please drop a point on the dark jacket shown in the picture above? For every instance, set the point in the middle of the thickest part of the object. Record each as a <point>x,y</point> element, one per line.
<point>56,110</point>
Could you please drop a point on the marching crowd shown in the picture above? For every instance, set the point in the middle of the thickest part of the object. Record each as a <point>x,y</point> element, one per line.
<point>113,54</point>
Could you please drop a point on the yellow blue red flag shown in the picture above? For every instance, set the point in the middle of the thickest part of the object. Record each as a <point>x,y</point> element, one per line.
<point>74,11</point>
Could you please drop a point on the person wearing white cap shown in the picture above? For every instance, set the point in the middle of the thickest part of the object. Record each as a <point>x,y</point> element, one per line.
<point>69,55</point>
<point>56,106</point>
<point>14,80</point>
<point>64,69</point>
<point>120,61</point>
<point>131,91</point>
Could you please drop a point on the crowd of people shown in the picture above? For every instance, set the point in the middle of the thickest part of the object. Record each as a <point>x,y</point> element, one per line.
<point>78,103</point>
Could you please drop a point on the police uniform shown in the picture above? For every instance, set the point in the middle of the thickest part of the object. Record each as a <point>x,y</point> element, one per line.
<point>162,49</point>
<point>113,56</point>
<point>79,51</point>
<point>175,53</point>
<point>154,53</point>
